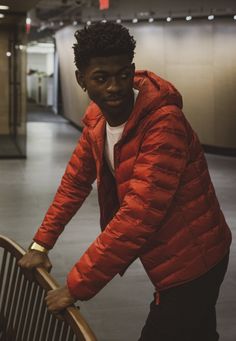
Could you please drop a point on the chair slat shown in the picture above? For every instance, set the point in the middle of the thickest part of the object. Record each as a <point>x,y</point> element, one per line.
<point>58,330</point>
<point>65,332</point>
<point>36,314</point>
<point>26,290</point>
<point>2,297</point>
<point>6,284</point>
<point>11,286</point>
<point>70,335</point>
<point>28,318</point>
<point>45,326</point>
<point>11,312</point>
<point>41,317</point>
<point>19,305</point>
<point>51,331</point>
<point>3,267</point>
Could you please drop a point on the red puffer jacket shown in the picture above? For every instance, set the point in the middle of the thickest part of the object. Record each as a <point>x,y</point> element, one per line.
<point>161,207</point>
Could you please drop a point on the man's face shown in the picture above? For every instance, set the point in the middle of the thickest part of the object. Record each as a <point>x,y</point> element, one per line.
<point>109,83</point>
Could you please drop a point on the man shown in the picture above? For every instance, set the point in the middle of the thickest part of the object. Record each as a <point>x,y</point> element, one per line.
<point>156,198</point>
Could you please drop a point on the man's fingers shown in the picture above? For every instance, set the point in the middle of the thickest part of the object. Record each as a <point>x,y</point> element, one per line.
<point>33,259</point>
<point>25,265</point>
<point>49,295</point>
<point>52,305</point>
<point>48,266</point>
<point>58,299</point>
<point>22,263</point>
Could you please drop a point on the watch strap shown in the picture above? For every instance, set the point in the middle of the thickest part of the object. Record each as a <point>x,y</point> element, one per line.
<point>37,247</point>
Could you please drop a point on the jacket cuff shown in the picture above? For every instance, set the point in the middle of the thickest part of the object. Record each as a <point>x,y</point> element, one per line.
<point>44,239</point>
<point>78,289</point>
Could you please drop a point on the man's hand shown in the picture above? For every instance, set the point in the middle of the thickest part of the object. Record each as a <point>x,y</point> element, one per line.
<point>34,258</point>
<point>59,299</point>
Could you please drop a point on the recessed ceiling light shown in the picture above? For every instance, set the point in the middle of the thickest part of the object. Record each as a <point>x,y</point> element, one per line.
<point>150,20</point>
<point>118,21</point>
<point>211,17</point>
<point>234,17</point>
<point>135,20</point>
<point>168,19</point>
<point>188,18</point>
<point>2,15</point>
<point>4,8</point>
<point>144,14</point>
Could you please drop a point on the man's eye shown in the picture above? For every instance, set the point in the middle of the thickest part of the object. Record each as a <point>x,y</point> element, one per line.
<point>100,79</point>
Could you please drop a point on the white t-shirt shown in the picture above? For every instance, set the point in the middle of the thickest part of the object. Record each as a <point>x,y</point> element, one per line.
<point>113,135</point>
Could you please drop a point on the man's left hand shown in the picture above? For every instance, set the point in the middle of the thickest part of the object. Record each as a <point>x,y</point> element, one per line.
<point>59,299</point>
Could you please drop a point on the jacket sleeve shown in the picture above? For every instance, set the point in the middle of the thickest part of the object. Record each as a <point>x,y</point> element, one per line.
<point>156,176</point>
<point>75,186</point>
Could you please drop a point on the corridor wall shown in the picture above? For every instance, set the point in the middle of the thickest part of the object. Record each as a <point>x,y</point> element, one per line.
<point>13,89</point>
<point>4,90</point>
<point>197,57</point>
<point>74,99</point>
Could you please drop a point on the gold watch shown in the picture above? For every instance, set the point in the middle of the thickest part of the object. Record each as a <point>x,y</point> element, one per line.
<point>35,246</point>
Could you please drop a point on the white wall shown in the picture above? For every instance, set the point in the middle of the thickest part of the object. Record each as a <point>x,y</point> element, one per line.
<point>50,63</point>
<point>41,62</point>
<point>40,57</point>
<point>197,57</point>
<point>37,61</point>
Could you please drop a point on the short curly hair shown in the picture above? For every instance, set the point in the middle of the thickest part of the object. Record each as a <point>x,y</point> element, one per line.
<point>102,40</point>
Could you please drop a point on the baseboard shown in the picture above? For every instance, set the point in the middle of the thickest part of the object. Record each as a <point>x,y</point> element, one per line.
<point>225,151</point>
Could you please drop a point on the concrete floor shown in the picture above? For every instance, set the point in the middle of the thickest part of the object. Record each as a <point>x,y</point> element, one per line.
<point>118,312</point>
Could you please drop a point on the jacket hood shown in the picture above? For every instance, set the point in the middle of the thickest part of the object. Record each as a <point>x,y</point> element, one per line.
<point>154,93</point>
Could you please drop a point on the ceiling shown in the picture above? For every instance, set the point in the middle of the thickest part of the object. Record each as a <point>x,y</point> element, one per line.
<point>19,6</point>
<point>82,10</point>
<point>50,15</point>
<point>17,10</point>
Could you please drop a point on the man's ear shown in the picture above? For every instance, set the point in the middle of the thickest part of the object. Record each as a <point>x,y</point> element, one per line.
<point>80,79</point>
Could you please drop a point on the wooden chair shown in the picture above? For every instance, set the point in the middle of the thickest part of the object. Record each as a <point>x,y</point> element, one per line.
<point>23,312</point>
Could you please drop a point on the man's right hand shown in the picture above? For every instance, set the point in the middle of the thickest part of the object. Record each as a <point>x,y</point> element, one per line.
<point>33,259</point>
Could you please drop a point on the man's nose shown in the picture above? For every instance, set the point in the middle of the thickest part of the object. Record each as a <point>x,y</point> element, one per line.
<point>113,85</point>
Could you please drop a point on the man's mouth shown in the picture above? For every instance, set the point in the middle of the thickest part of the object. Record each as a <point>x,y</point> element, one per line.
<point>114,101</point>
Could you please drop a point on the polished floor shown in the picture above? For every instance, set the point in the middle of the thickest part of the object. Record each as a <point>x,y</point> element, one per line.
<point>27,187</point>
<point>8,147</point>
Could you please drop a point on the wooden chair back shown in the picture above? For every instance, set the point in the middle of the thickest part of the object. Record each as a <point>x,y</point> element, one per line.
<point>23,312</point>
